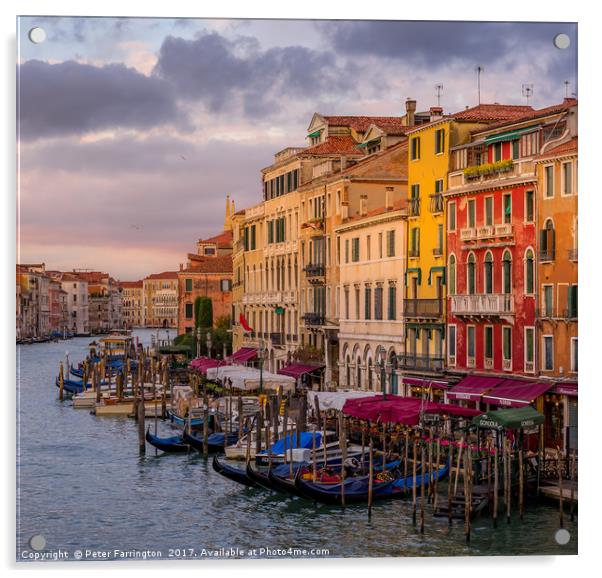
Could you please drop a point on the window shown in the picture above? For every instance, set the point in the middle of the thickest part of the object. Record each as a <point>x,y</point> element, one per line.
<point>488,272</point>
<point>548,300</point>
<point>209,250</point>
<point>253,238</point>
<point>488,342</point>
<point>391,243</point>
<point>368,242</point>
<point>507,273</point>
<point>415,191</point>
<point>548,353</point>
<point>415,148</point>
<point>225,285</point>
<point>452,275</point>
<point>439,248</point>
<point>529,206</point>
<point>471,213</point>
<point>380,245</point>
<point>451,216</point>
<point>529,348</point>
<point>346,250</point>
<point>507,200</point>
<point>488,211</point>
<point>567,178</point>
<point>547,241</point>
<point>391,309</point>
<point>573,293</point>
<point>439,186</point>
<point>355,249</point>
<point>415,242</point>
<point>346,291</point>
<point>270,231</point>
<point>548,172</point>
<point>574,352</point>
<point>515,149</point>
<point>357,302</point>
<point>470,340</point>
<point>529,272</point>
<point>367,302</point>
<point>451,340</point>
<point>470,274</point>
<point>188,285</point>
<point>188,310</point>
<point>378,302</point>
<point>439,141</point>
<point>497,151</point>
<point>507,342</point>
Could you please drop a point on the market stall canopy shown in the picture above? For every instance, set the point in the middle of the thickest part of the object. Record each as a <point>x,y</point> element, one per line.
<point>249,378</point>
<point>243,355</point>
<point>566,388</point>
<point>334,399</point>
<point>418,382</point>
<point>515,393</point>
<point>513,418</point>
<point>296,370</point>
<point>471,388</point>
<point>202,364</point>
<point>396,409</point>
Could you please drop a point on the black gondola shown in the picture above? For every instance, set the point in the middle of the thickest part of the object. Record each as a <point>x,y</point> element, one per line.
<point>215,441</point>
<point>232,473</point>
<point>172,445</point>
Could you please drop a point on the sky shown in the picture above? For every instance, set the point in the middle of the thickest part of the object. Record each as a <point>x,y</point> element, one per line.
<point>132,131</point>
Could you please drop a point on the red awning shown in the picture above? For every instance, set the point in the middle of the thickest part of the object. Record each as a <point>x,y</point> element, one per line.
<point>418,382</point>
<point>471,388</point>
<point>514,393</point>
<point>569,388</point>
<point>243,355</point>
<point>296,370</point>
<point>202,364</point>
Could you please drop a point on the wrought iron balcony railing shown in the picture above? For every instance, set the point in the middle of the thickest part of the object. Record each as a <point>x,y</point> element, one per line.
<point>437,203</point>
<point>313,319</point>
<point>424,362</point>
<point>425,308</point>
<point>314,270</point>
<point>546,255</point>
<point>414,207</point>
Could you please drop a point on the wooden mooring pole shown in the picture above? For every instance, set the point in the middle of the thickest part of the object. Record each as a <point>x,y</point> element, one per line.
<point>370,478</point>
<point>560,496</point>
<point>414,483</point>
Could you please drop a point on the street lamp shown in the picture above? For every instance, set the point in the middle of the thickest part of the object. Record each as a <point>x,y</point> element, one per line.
<point>261,352</point>
<point>198,341</point>
<point>383,379</point>
<point>209,344</point>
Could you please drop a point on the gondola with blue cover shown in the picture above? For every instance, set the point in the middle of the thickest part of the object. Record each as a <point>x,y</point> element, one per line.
<point>215,441</point>
<point>171,445</point>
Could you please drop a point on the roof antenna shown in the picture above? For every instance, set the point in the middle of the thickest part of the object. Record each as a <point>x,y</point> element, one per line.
<point>439,89</point>
<point>566,88</point>
<point>527,91</point>
<point>478,70</point>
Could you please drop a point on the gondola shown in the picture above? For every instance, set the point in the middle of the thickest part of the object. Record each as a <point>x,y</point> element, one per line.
<point>215,441</point>
<point>356,489</point>
<point>172,445</point>
<point>76,371</point>
<point>235,474</point>
<point>70,386</point>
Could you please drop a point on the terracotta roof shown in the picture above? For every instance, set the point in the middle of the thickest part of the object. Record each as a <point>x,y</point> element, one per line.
<point>223,239</point>
<point>534,114</point>
<point>221,264</point>
<point>568,147</point>
<point>493,112</point>
<point>361,123</point>
<point>90,276</point>
<point>399,204</point>
<point>164,275</point>
<point>344,145</point>
<point>131,284</point>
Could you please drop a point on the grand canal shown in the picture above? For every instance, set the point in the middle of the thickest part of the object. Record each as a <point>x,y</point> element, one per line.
<point>82,485</point>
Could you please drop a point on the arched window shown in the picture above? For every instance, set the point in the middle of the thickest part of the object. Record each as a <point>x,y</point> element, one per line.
<point>348,371</point>
<point>359,373</point>
<point>452,275</point>
<point>507,273</point>
<point>471,283</point>
<point>529,272</point>
<point>488,272</point>
<point>548,241</point>
<point>370,370</point>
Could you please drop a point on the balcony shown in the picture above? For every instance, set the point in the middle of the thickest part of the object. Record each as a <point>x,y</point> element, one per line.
<point>437,252</point>
<point>313,319</point>
<point>489,304</point>
<point>486,232</point>
<point>414,253</point>
<point>572,254</point>
<point>546,255</point>
<point>414,207</point>
<point>437,203</point>
<point>314,271</point>
<point>469,234</point>
<point>504,230</point>
<point>423,308</point>
<point>421,362</point>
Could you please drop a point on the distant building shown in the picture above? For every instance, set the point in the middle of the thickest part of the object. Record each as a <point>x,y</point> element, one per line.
<point>34,300</point>
<point>133,304</point>
<point>76,290</point>
<point>160,299</point>
<point>104,301</point>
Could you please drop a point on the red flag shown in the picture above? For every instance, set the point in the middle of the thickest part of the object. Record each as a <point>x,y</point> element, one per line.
<point>244,323</point>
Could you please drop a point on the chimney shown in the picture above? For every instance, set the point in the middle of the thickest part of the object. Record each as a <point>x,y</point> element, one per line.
<point>363,205</point>
<point>388,198</point>
<point>343,162</point>
<point>181,266</point>
<point>410,110</point>
<point>436,113</point>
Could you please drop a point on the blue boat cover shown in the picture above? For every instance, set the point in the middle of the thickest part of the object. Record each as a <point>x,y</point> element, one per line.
<point>306,442</point>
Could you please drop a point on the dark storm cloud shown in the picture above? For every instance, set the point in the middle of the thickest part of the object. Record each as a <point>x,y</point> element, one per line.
<point>72,98</point>
<point>438,43</point>
<point>217,71</point>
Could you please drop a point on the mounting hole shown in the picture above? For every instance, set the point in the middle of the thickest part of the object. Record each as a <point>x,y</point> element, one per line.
<point>562,537</point>
<point>37,35</point>
<point>562,41</point>
<point>37,542</point>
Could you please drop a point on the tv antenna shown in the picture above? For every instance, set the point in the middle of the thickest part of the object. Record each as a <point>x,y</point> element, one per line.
<point>527,91</point>
<point>479,69</point>
<point>439,89</point>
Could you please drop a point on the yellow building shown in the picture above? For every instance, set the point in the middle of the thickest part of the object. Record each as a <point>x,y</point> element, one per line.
<point>160,293</point>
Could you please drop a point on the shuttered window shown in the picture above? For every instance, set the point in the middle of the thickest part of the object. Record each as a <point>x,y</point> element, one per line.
<point>367,302</point>
<point>378,302</point>
<point>391,243</point>
<point>391,309</point>
<point>355,249</point>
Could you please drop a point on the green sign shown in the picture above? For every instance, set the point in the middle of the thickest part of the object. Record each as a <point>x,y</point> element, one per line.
<point>279,310</point>
<point>514,418</point>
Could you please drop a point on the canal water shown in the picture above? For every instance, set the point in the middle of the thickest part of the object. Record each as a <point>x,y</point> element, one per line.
<point>83,486</point>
